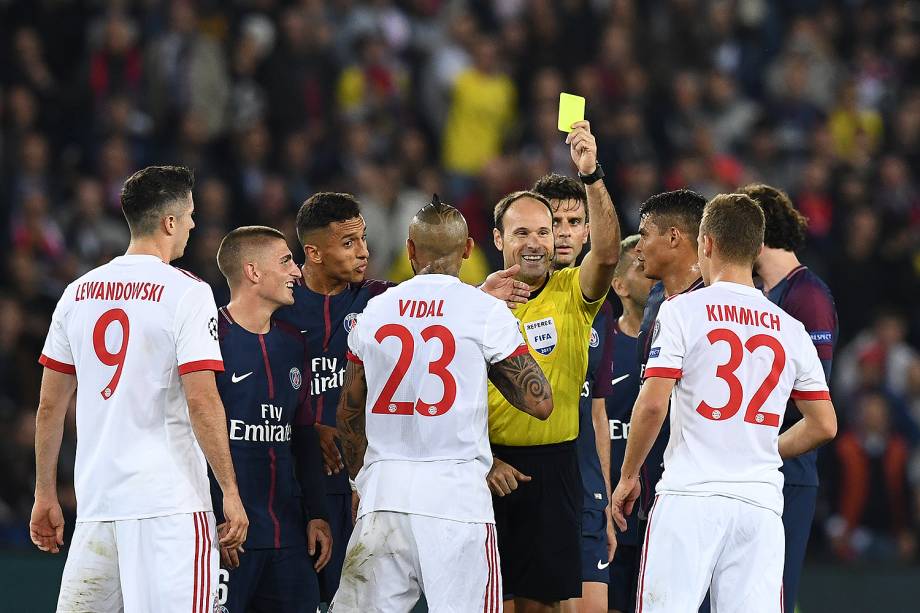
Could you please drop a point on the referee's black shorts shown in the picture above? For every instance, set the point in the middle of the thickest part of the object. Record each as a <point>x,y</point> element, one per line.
<point>539,524</point>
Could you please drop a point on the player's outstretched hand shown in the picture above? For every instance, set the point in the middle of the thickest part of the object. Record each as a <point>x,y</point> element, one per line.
<point>502,285</point>
<point>623,499</point>
<point>319,534</point>
<point>504,478</point>
<point>236,525</point>
<point>229,558</point>
<point>46,526</point>
<point>583,147</point>
<point>332,459</point>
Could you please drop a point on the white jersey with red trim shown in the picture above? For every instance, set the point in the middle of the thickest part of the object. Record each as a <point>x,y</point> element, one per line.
<point>426,346</point>
<point>128,330</point>
<point>737,358</point>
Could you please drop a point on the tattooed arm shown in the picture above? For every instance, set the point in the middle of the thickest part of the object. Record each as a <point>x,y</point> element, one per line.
<point>523,384</point>
<point>351,417</point>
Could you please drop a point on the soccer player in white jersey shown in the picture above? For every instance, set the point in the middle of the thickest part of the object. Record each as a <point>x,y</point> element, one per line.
<point>140,338</point>
<point>413,419</point>
<point>729,360</point>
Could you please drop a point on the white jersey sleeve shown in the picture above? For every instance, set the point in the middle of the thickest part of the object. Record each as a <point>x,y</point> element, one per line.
<point>502,338</point>
<point>666,356</point>
<point>57,353</point>
<point>197,347</point>
<point>355,346</point>
<point>810,383</point>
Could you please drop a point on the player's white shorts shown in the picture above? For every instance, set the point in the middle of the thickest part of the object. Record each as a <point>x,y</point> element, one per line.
<point>142,565</point>
<point>692,541</point>
<point>394,557</point>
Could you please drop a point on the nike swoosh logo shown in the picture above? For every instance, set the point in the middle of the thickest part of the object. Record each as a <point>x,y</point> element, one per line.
<point>601,565</point>
<point>303,331</point>
<point>236,379</point>
<point>618,379</point>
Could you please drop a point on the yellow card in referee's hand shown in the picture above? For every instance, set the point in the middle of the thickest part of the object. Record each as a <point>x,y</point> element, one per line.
<point>571,109</point>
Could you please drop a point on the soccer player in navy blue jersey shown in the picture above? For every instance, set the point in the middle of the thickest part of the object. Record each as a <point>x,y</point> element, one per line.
<point>801,293</point>
<point>669,224</point>
<point>332,293</point>
<point>632,288</point>
<point>569,202</point>
<point>275,450</point>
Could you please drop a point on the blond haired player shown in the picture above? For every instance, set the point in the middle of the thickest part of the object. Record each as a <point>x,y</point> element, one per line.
<point>728,359</point>
<point>140,338</point>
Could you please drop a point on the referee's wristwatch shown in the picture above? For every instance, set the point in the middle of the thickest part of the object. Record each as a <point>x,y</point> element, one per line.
<point>594,177</point>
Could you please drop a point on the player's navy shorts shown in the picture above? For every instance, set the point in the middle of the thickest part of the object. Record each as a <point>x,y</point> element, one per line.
<point>539,524</point>
<point>594,564</point>
<point>339,506</point>
<point>624,576</point>
<point>270,580</point>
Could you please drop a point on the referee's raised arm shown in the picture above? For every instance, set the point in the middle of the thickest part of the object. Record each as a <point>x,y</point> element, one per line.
<point>597,268</point>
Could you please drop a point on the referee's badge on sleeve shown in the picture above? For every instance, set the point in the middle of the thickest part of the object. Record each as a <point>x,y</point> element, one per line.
<point>542,335</point>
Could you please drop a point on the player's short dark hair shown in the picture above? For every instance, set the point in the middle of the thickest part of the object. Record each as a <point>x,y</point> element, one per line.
<point>505,203</point>
<point>681,209</point>
<point>626,245</point>
<point>785,226</point>
<point>147,194</point>
<point>735,223</point>
<point>324,208</point>
<point>236,242</point>
<point>559,187</point>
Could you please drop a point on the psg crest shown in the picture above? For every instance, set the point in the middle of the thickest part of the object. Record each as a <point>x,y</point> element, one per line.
<point>595,339</point>
<point>296,378</point>
<point>350,320</point>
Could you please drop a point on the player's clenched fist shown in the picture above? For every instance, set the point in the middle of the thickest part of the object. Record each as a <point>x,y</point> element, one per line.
<point>624,497</point>
<point>504,478</point>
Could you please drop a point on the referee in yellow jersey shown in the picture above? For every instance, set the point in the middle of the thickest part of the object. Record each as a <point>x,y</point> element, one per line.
<point>535,480</point>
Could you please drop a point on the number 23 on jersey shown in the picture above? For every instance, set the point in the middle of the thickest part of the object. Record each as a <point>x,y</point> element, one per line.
<point>385,404</point>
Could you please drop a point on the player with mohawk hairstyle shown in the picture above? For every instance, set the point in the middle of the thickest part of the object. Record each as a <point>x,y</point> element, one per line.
<point>413,419</point>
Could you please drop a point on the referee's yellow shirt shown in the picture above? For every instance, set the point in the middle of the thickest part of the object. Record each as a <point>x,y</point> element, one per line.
<point>557,327</point>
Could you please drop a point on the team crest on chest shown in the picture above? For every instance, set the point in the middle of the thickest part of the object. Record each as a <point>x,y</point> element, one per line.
<point>595,340</point>
<point>349,322</point>
<point>296,378</point>
<point>542,335</point>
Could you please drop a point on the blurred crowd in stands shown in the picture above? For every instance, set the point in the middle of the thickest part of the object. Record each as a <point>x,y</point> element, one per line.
<point>393,100</point>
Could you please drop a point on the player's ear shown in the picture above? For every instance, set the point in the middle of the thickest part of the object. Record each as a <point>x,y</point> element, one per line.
<point>312,254</point>
<point>169,224</point>
<point>497,239</point>
<point>468,250</point>
<point>584,241</point>
<point>674,236</point>
<point>251,272</point>
<point>410,249</point>
<point>619,288</point>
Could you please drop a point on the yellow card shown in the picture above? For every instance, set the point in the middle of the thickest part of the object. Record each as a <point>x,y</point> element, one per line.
<point>571,109</point>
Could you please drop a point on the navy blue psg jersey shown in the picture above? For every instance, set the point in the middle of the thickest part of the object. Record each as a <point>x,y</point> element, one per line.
<point>325,322</point>
<point>596,386</point>
<point>806,297</point>
<point>264,388</point>
<point>654,463</point>
<point>624,382</point>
